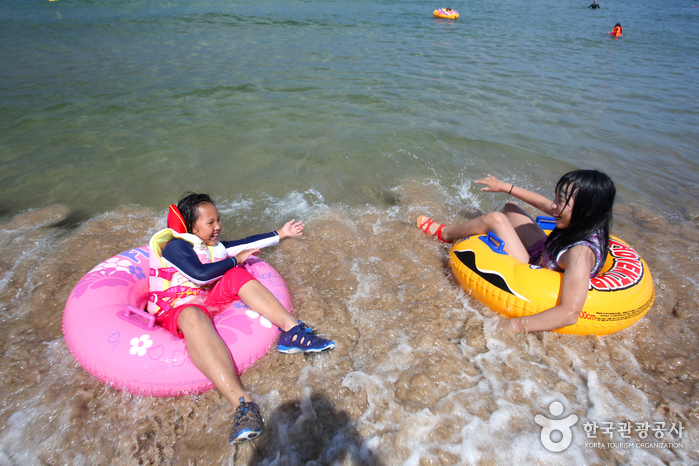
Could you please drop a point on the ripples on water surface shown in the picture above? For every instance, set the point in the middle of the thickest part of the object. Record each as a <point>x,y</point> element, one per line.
<point>355,117</point>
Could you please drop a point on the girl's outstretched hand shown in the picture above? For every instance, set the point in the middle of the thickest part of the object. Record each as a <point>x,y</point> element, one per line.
<point>290,228</point>
<point>493,185</point>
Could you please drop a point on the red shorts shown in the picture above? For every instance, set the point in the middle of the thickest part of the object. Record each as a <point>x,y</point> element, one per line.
<point>223,292</point>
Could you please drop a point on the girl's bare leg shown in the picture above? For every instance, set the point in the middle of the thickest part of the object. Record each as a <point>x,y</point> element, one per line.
<point>527,229</point>
<point>500,224</point>
<point>210,354</point>
<point>259,299</point>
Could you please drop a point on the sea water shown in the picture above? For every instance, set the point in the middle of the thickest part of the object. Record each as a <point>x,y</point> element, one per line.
<point>355,117</point>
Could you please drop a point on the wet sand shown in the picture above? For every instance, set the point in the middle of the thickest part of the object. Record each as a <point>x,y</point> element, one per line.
<point>421,373</point>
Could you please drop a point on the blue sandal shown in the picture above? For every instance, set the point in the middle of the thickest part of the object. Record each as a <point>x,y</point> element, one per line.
<point>247,424</point>
<point>302,339</point>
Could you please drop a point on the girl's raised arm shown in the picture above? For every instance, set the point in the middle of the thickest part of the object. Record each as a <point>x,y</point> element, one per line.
<point>494,185</point>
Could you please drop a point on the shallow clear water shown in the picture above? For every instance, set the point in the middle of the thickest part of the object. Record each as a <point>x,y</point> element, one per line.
<point>355,117</point>
<point>133,103</point>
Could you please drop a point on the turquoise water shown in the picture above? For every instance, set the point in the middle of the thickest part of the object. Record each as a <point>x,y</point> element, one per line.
<point>105,104</point>
<point>356,117</point>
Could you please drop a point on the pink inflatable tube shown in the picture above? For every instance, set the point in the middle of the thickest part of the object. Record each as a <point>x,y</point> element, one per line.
<point>111,336</point>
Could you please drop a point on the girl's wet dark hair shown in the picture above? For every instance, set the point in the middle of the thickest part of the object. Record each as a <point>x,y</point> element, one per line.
<point>189,208</point>
<point>593,194</point>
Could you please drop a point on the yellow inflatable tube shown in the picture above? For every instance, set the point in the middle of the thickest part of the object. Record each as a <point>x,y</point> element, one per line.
<point>618,297</point>
<point>447,13</point>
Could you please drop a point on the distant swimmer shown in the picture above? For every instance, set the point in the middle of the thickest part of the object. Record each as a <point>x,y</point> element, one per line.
<point>594,5</point>
<point>616,32</point>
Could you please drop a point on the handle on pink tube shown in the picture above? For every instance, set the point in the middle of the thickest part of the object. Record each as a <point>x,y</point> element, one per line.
<point>134,310</point>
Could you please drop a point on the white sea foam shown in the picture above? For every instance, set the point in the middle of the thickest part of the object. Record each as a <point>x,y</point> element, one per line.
<point>421,372</point>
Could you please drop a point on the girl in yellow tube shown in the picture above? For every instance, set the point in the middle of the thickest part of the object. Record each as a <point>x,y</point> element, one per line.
<point>577,246</point>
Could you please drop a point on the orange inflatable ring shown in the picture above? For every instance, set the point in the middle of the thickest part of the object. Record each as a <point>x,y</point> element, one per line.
<point>446,13</point>
<point>618,296</point>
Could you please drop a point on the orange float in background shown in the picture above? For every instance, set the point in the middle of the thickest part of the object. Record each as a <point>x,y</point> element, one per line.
<point>446,13</point>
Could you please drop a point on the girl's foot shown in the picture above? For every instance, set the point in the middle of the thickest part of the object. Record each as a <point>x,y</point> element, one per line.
<point>247,422</point>
<point>303,339</point>
<point>431,228</point>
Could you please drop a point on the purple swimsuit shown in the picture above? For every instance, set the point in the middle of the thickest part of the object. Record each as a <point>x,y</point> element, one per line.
<point>537,256</point>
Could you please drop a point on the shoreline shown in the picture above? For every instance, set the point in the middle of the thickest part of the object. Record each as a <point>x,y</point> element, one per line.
<point>413,350</point>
